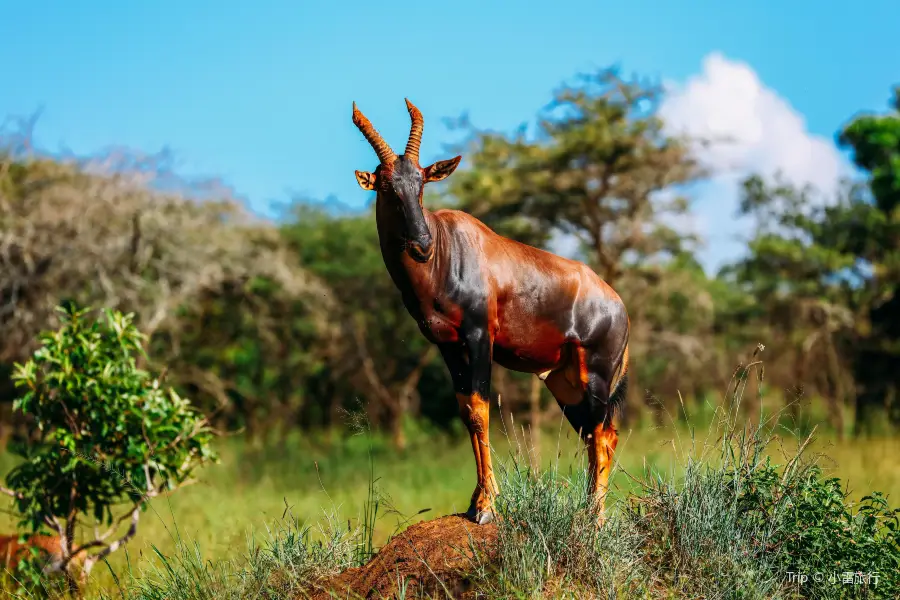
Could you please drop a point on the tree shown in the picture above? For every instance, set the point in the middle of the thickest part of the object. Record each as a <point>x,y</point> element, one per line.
<point>802,282</point>
<point>872,233</point>
<point>249,349</point>
<point>595,171</point>
<point>122,230</point>
<point>105,235</point>
<point>103,432</point>
<point>379,350</point>
<point>602,170</point>
<point>827,271</point>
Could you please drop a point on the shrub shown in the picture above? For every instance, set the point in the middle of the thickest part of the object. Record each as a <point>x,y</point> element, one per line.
<point>730,524</point>
<point>102,432</point>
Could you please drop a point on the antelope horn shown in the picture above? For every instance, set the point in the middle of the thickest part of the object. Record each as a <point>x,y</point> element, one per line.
<point>384,152</point>
<point>415,132</point>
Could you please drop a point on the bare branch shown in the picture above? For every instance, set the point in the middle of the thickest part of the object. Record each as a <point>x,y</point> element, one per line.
<point>108,549</point>
<point>369,370</point>
<point>13,493</point>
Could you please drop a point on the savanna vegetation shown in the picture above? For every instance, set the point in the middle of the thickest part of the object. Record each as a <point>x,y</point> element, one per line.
<point>337,422</point>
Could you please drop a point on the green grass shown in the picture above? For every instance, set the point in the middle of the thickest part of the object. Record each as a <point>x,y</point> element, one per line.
<point>308,476</point>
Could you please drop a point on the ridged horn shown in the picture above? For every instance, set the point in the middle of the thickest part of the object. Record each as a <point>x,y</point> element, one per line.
<point>381,147</point>
<point>415,132</point>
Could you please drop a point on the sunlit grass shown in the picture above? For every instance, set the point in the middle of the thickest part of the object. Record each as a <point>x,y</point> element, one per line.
<point>251,488</point>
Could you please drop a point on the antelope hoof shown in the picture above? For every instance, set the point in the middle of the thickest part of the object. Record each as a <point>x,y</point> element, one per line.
<point>484,517</point>
<point>599,513</point>
<point>480,516</point>
<point>481,508</point>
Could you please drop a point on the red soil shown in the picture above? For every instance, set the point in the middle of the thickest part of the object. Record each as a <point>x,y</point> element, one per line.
<point>433,557</point>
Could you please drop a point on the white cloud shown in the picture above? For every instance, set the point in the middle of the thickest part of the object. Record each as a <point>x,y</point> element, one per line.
<point>765,134</point>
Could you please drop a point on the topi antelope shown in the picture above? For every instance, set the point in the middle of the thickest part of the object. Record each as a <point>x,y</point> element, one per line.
<point>483,298</point>
<point>50,548</point>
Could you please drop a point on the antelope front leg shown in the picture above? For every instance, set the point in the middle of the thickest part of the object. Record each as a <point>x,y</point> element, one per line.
<point>472,380</point>
<point>474,410</point>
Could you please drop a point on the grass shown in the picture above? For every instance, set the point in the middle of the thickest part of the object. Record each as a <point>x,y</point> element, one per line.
<point>737,513</point>
<point>211,540</point>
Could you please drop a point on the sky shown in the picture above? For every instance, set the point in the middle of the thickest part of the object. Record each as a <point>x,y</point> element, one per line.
<point>260,93</point>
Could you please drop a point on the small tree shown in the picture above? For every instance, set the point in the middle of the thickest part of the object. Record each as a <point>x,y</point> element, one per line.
<point>102,433</point>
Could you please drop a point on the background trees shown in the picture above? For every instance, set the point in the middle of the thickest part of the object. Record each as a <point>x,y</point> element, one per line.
<point>871,232</point>
<point>278,326</point>
<point>601,173</point>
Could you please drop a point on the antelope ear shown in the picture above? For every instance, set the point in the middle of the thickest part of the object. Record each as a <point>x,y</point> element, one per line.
<point>442,169</point>
<point>365,180</point>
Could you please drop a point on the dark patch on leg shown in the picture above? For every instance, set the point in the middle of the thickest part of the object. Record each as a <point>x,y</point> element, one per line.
<point>580,417</point>
<point>594,408</point>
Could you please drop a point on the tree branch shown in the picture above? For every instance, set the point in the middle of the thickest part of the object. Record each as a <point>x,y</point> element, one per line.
<point>369,370</point>
<point>110,548</point>
<point>12,493</point>
<point>412,380</point>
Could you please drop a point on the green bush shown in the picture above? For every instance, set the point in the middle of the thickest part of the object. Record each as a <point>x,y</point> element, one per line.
<point>103,432</point>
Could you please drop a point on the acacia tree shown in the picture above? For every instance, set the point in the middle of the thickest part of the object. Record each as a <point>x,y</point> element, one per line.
<point>103,432</point>
<point>595,171</point>
<point>601,170</point>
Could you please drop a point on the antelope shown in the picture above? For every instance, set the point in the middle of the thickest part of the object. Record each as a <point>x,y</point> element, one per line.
<point>482,298</point>
<point>12,552</point>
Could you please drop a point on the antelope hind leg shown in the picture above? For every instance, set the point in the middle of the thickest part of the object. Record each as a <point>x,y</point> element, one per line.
<point>588,418</point>
<point>601,444</point>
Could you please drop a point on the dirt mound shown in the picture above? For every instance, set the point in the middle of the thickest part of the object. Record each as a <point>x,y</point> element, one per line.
<point>433,557</point>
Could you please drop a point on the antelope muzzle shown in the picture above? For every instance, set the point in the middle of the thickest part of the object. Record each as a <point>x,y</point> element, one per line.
<point>421,247</point>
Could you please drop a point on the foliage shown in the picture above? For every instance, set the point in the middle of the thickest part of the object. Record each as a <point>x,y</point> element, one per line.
<point>594,171</point>
<point>872,233</point>
<point>380,352</point>
<point>236,350</point>
<point>825,533</point>
<point>103,432</point>
<point>271,326</point>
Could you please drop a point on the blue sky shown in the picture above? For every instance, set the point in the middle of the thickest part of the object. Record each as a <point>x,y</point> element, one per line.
<point>260,92</point>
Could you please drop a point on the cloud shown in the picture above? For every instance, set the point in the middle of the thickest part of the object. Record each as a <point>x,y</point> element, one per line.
<point>765,134</point>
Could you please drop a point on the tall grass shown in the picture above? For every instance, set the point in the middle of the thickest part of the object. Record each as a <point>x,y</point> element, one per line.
<point>729,524</point>
<point>730,512</point>
<point>273,568</point>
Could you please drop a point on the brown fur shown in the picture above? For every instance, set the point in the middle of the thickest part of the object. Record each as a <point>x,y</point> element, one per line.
<point>13,551</point>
